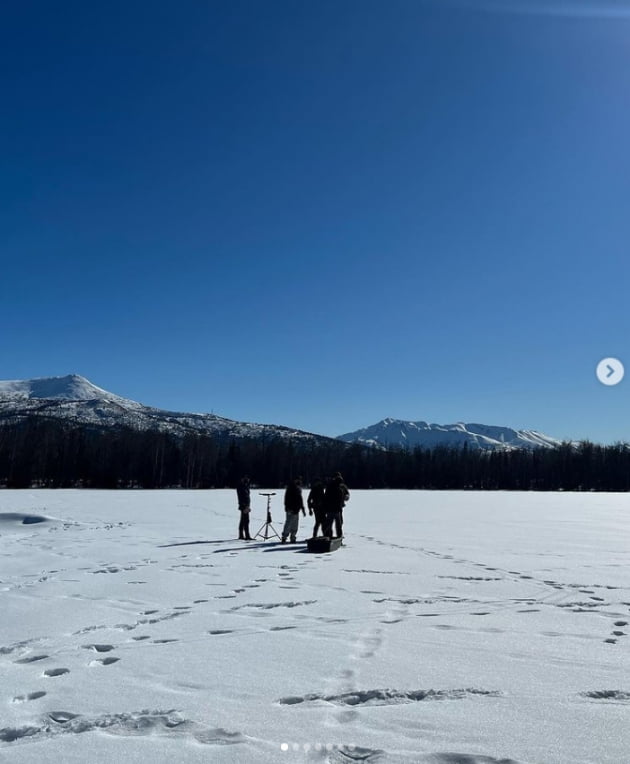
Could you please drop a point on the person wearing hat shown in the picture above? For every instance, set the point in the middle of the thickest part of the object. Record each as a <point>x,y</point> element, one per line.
<point>335,497</point>
<point>293,505</point>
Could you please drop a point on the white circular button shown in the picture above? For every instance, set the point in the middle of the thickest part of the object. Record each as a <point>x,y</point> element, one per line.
<point>610,371</point>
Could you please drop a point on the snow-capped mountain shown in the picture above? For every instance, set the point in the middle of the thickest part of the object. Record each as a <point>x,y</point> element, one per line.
<point>72,387</point>
<point>74,399</point>
<point>396,432</point>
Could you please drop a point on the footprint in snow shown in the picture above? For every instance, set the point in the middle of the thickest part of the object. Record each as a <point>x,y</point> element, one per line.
<point>32,659</point>
<point>99,648</point>
<point>104,661</point>
<point>56,672</point>
<point>30,696</point>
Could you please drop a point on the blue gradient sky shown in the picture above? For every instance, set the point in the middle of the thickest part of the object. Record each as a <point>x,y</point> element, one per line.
<point>321,214</point>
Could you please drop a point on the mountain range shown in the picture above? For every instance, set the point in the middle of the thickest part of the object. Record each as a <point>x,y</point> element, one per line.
<point>390,433</point>
<point>74,399</point>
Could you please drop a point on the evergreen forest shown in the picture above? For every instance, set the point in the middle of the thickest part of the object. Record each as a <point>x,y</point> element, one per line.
<point>48,453</point>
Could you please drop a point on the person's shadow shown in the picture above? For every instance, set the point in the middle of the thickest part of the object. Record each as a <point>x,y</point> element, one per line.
<point>190,543</point>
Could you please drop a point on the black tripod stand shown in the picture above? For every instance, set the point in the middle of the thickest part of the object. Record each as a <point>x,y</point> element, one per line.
<point>267,524</point>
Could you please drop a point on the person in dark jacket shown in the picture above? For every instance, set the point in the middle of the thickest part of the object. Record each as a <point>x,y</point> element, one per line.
<point>293,505</point>
<point>244,506</point>
<point>335,497</point>
<point>316,505</point>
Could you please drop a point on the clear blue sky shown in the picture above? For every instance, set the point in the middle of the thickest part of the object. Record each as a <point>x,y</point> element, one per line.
<point>320,214</point>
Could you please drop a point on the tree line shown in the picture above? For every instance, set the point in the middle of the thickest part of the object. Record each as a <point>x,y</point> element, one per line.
<point>41,452</point>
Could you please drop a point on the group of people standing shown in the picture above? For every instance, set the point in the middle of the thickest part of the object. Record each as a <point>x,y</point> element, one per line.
<point>325,501</point>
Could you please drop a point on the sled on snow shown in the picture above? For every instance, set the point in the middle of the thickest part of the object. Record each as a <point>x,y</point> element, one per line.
<point>323,544</point>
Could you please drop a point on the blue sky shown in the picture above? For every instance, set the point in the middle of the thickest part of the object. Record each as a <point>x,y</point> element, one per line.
<point>321,214</point>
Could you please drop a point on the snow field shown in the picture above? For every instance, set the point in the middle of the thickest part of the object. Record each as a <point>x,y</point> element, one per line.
<point>454,628</point>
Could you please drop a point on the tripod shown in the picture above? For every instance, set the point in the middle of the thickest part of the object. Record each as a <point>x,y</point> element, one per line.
<point>267,524</point>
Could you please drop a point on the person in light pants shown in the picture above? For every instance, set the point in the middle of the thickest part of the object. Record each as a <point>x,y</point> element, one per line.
<point>293,505</point>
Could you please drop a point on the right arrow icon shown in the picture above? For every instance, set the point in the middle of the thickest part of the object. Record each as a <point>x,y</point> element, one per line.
<point>610,371</point>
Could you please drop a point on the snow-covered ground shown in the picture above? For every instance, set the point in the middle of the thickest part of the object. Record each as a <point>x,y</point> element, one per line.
<point>453,628</point>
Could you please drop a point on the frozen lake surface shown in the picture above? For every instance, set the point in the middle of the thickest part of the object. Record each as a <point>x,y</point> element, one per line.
<point>453,628</point>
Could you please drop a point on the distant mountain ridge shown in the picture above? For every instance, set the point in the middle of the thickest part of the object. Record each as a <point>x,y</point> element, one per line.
<point>390,433</point>
<point>74,399</point>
